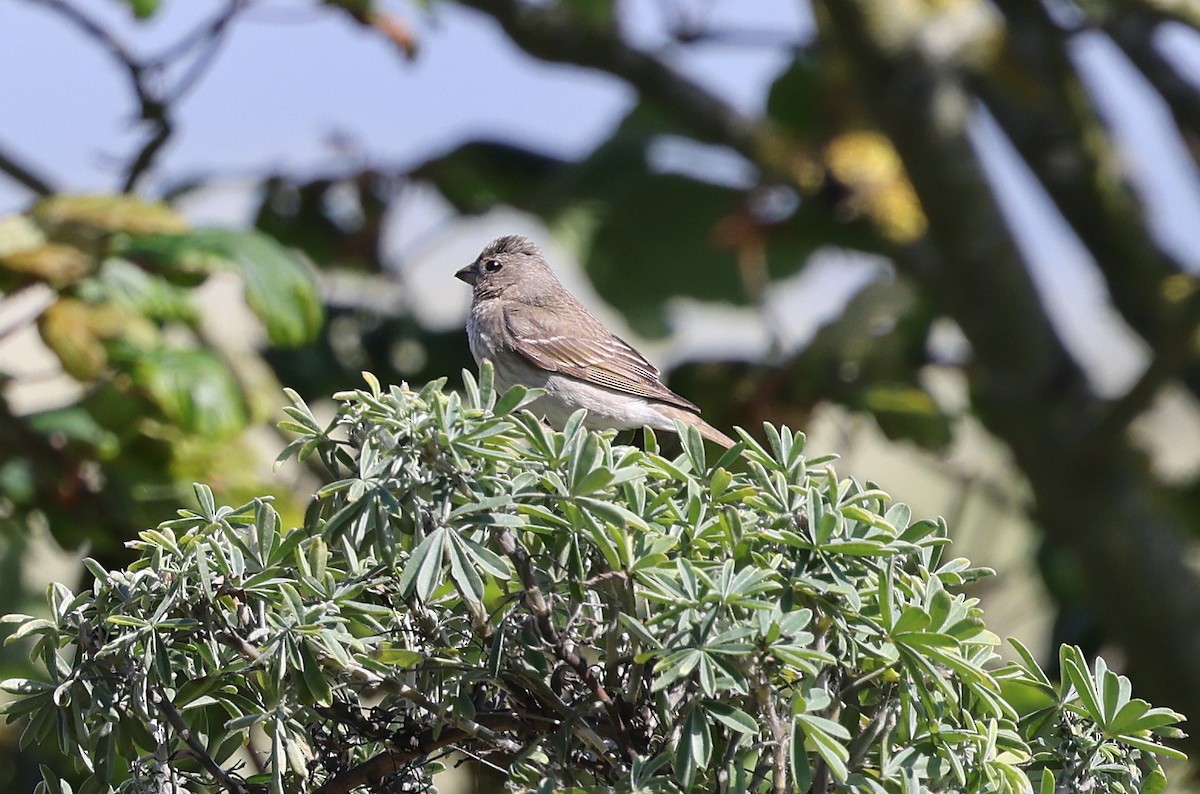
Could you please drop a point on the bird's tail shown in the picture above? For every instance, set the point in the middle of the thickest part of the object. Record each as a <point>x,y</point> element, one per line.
<point>712,434</point>
<point>689,418</point>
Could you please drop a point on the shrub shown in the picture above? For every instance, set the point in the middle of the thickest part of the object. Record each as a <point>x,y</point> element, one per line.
<point>581,614</point>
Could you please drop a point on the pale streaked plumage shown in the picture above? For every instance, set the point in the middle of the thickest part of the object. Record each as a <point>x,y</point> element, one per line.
<point>537,334</point>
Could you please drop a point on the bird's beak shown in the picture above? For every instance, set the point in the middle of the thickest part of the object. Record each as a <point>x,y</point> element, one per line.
<point>468,274</point>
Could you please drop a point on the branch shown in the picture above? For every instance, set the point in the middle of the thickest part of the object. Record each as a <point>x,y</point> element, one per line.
<point>564,649</point>
<point>1028,391</point>
<point>97,32</point>
<point>780,734</point>
<point>1035,95</point>
<point>155,105</point>
<point>554,34</point>
<point>226,781</point>
<point>24,175</point>
<point>146,155</point>
<point>1172,355</point>
<point>883,719</point>
<point>374,770</point>
<point>467,726</point>
<point>1133,32</point>
<point>1181,11</point>
<point>209,38</point>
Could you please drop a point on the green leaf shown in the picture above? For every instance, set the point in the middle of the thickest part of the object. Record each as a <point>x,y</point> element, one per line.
<point>194,389</point>
<point>801,769</point>
<point>826,737</point>
<point>733,718</point>
<point>463,571</point>
<point>279,287</point>
<point>143,9</point>
<point>423,571</point>
<point>313,675</point>
<point>699,738</point>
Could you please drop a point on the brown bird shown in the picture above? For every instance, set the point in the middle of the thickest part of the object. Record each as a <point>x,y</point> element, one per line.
<point>537,334</point>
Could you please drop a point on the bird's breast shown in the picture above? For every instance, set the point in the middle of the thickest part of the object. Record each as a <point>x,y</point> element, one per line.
<point>485,335</point>
<point>482,334</point>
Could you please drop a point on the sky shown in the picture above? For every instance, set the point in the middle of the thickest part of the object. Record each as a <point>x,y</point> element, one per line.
<point>298,88</point>
<point>292,75</point>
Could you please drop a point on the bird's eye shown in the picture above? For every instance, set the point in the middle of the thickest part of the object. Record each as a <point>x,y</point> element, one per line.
<point>492,265</point>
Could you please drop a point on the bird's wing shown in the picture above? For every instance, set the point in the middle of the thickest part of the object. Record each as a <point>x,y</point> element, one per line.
<point>583,348</point>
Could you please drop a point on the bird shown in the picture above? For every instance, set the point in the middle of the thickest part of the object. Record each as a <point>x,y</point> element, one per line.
<point>537,334</point>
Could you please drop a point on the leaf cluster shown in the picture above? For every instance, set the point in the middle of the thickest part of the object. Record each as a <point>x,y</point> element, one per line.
<point>581,614</point>
<point>113,281</point>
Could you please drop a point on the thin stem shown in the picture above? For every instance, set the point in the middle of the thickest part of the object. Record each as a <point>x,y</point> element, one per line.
<point>226,781</point>
<point>24,175</point>
<point>564,649</point>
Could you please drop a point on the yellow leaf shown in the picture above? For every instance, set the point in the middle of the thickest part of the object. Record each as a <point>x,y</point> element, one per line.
<point>54,263</point>
<point>94,216</point>
<point>76,331</point>
<point>866,163</point>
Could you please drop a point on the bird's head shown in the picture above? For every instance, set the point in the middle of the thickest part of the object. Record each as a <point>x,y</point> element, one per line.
<point>506,263</point>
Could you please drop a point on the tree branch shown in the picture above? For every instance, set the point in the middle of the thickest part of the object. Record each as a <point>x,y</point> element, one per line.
<point>223,778</point>
<point>1054,127</point>
<point>374,770</point>
<point>562,647</point>
<point>156,105</point>
<point>1133,32</point>
<point>23,175</point>
<point>1089,495</point>
<point>1173,354</point>
<point>554,34</point>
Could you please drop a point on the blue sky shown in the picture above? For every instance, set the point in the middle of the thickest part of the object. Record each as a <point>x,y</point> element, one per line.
<point>291,76</point>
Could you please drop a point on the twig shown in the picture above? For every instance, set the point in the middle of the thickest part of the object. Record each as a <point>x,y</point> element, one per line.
<point>200,35</point>
<point>24,175</point>
<point>227,782</point>
<point>156,105</point>
<point>380,766</point>
<point>468,726</point>
<point>145,157</point>
<point>563,648</point>
<point>210,38</point>
<point>882,720</point>
<point>738,37</point>
<point>780,736</point>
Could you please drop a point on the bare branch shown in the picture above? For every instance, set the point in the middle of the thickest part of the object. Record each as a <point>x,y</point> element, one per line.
<point>780,734</point>
<point>379,767</point>
<point>553,34</point>
<point>156,105</point>
<point>563,648</point>
<point>97,32</point>
<point>1134,34</point>
<point>209,38</point>
<point>146,155</point>
<point>1054,127</point>
<point>226,781</point>
<point>23,175</point>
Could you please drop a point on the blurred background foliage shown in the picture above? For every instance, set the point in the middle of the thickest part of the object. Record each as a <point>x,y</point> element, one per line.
<point>868,160</point>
